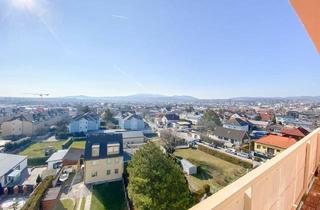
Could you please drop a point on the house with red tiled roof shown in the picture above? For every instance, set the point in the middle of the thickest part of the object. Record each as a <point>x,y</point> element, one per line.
<point>273,144</point>
<point>296,133</point>
<point>265,116</point>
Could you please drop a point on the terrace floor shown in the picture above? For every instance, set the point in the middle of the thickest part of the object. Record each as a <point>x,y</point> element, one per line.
<point>312,201</point>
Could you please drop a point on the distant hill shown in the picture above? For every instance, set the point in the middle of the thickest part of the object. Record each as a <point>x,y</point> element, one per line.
<point>137,98</point>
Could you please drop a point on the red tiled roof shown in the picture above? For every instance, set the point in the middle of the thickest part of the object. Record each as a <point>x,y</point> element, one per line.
<point>295,132</point>
<point>276,141</point>
<point>265,116</point>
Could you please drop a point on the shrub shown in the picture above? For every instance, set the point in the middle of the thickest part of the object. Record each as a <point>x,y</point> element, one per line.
<point>35,199</point>
<point>17,144</point>
<point>37,161</point>
<point>224,156</point>
<point>67,144</point>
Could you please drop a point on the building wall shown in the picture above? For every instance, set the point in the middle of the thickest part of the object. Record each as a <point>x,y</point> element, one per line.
<point>264,148</point>
<point>132,124</point>
<point>12,128</point>
<point>101,166</point>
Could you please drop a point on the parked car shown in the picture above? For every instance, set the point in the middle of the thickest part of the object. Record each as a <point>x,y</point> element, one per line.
<point>231,151</point>
<point>243,155</point>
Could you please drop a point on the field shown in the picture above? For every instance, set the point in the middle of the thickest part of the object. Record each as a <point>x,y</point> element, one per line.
<point>211,170</point>
<point>38,149</point>
<point>108,196</point>
<point>78,144</point>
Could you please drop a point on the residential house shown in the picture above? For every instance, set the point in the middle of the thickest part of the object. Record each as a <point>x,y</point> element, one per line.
<point>296,133</point>
<point>20,126</point>
<point>128,137</point>
<point>235,137</point>
<point>238,124</point>
<point>170,118</point>
<point>132,122</point>
<point>266,117</point>
<point>273,144</point>
<point>12,167</point>
<point>84,123</point>
<point>103,158</point>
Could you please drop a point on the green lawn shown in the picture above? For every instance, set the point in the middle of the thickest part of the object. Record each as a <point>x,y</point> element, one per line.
<point>211,170</point>
<point>38,149</point>
<point>83,203</point>
<point>108,196</point>
<point>66,204</point>
<point>78,144</point>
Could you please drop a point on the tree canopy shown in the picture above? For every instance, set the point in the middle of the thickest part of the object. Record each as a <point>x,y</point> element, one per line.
<point>210,120</point>
<point>169,141</point>
<point>156,181</point>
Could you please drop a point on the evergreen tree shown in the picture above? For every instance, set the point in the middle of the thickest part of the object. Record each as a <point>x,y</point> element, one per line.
<point>156,181</point>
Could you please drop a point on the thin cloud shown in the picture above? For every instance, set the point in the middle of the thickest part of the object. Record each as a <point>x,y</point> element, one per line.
<point>129,77</point>
<point>120,17</point>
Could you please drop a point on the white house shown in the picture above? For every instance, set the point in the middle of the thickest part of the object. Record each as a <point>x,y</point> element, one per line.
<point>11,168</point>
<point>132,122</point>
<point>84,123</point>
<point>188,167</point>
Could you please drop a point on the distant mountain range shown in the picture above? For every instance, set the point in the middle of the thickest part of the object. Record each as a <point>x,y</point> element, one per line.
<point>156,98</point>
<point>136,98</point>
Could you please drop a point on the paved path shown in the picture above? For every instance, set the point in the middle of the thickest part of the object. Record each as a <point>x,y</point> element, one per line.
<point>88,200</point>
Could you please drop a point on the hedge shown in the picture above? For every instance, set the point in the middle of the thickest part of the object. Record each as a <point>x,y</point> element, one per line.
<point>17,144</point>
<point>34,200</point>
<point>67,144</point>
<point>37,161</point>
<point>224,156</point>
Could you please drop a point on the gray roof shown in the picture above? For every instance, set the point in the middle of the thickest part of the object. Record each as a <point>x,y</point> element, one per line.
<point>8,161</point>
<point>130,116</point>
<point>88,116</point>
<point>230,133</point>
<point>59,155</point>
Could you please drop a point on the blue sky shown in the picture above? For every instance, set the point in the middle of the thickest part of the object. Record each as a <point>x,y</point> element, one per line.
<point>203,48</point>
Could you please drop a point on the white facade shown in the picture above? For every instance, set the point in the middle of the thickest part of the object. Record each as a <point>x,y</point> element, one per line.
<point>188,167</point>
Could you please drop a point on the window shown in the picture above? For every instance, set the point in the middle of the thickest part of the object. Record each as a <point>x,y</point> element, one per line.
<point>278,150</point>
<point>258,146</point>
<point>263,147</point>
<point>113,149</point>
<point>95,150</point>
<point>116,171</point>
<point>108,172</point>
<point>94,174</point>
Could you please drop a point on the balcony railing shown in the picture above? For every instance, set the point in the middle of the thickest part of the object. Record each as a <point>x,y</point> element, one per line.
<point>278,184</point>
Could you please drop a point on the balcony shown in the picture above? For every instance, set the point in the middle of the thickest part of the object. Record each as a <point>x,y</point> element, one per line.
<point>279,184</point>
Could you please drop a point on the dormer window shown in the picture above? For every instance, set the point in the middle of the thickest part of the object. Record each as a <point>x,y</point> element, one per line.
<point>113,149</point>
<point>95,150</point>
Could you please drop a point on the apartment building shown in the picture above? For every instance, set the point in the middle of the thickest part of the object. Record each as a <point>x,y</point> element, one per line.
<point>103,158</point>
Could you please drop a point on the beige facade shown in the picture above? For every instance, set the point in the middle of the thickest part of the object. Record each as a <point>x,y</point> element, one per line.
<point>16,128</point>
<point>103,170</point>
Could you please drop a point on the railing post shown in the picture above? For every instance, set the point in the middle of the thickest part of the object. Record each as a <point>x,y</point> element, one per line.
<point>318,153</point>
<point>306,168</point>
<point>248,199</point>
